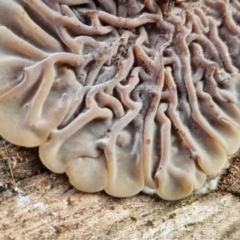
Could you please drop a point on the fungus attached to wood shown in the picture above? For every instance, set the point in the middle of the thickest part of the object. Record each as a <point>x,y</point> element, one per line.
<point>119,96</point>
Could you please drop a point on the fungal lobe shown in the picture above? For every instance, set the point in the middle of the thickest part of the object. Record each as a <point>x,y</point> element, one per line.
<point>120,96</point>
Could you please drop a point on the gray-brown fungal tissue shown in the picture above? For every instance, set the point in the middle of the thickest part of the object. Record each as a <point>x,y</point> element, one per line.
<point>120,96</point>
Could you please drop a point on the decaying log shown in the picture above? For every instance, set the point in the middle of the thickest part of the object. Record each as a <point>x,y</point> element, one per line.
<point>37,204</point>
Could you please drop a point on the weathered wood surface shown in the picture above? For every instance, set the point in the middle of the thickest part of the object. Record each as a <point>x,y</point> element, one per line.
<point>37,204</point>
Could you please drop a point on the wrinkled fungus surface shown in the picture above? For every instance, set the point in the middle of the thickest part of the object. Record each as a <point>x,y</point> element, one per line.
<point>119,96</point>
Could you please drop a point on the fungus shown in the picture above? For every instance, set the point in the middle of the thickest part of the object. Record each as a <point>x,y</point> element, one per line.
<point>119,96</point>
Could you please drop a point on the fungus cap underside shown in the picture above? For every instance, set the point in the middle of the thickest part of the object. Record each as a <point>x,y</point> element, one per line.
<point>119,96</point>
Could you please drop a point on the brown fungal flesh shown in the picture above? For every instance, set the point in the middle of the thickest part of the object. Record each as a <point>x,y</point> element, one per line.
<point>119,96</point>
